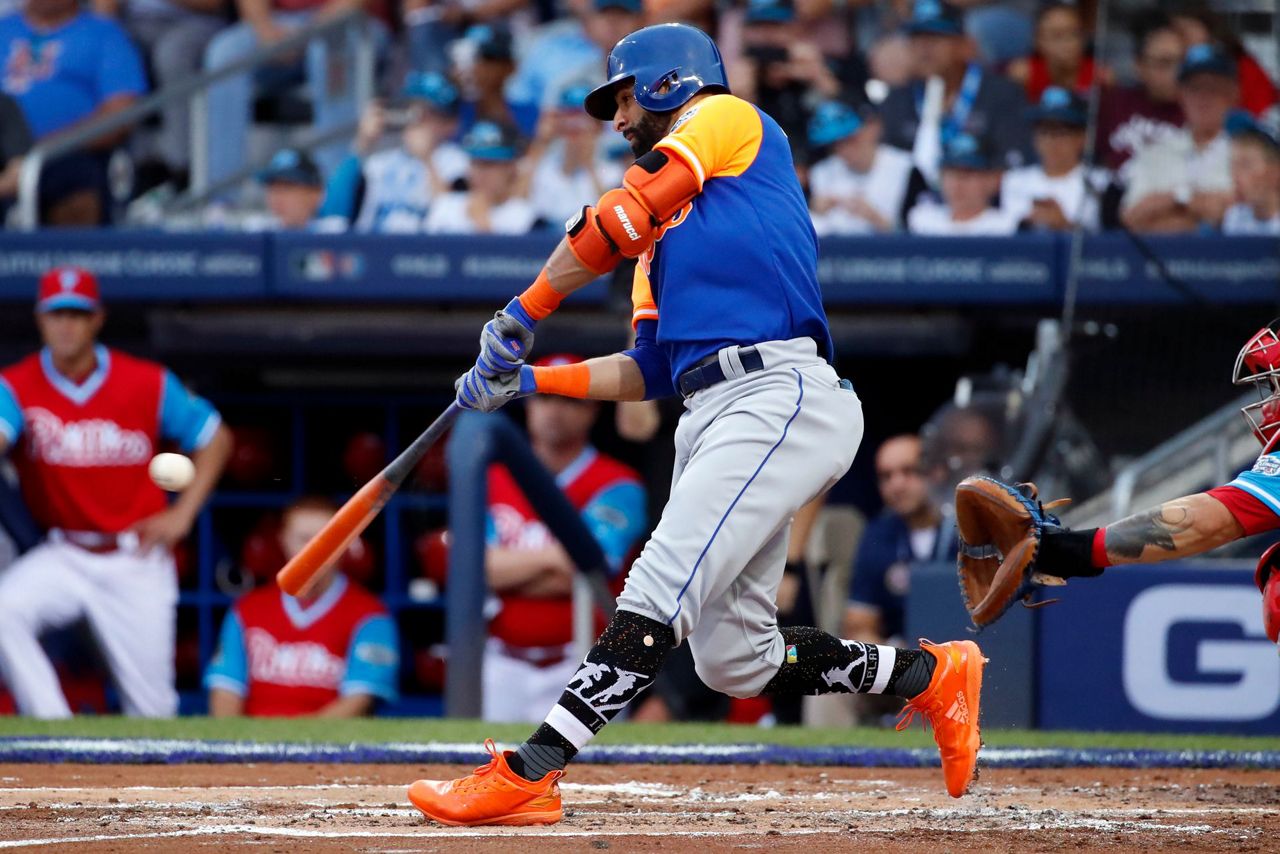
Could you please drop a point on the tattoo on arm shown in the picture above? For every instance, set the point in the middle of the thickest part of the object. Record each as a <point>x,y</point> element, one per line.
<point>1130,537</point>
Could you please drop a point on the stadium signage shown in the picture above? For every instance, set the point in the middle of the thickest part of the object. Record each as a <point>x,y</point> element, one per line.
<point>1175,647</point>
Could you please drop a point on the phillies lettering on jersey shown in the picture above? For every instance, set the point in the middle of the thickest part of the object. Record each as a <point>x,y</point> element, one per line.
<point>286,658</point>
<point>82,450</point>
<point>610,498</point>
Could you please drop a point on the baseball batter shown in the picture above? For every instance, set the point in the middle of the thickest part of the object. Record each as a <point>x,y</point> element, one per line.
<point>727,313</point>
<point>84,421</point>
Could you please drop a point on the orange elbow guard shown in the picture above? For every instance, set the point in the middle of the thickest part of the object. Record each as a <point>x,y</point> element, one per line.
<point>663,184</point>
<point>564,380</point>
<point>589,244</point>
<point>626,223</point>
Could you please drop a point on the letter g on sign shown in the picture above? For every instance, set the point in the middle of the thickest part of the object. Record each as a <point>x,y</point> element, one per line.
<point>1150,688</point>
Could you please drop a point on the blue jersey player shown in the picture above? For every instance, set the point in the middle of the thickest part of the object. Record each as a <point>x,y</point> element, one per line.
<point>728,314</point>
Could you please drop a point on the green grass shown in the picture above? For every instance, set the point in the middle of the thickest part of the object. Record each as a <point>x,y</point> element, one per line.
<point>437,729</point>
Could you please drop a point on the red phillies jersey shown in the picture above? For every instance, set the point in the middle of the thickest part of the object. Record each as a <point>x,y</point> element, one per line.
<point>297,669</point>
<point>83,462</point>
<point>612,502</point>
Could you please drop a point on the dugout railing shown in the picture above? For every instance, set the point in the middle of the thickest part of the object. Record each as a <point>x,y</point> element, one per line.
<point>478,441</point>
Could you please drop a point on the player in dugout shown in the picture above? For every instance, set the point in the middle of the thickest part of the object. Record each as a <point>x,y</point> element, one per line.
<point>1192,524</point>
<point>728,313</point>
<point>84,421</point>
<point>334,654</point>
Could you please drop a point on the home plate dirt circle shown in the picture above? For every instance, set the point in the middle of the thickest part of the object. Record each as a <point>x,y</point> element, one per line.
<point>287,808</point>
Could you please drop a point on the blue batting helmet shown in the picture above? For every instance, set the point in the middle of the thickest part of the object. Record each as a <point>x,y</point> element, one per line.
<point>682,58</point>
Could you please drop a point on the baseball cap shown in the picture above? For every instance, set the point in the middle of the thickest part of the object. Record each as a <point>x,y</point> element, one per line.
<point>770,11</point>
<point>492,41</point>
<point>293,166</point>
<point>432,87</point>
<point>966,151</point>
<point>832,122</point>
<point>633,6</point>
<point>935,17</point>
<point>491,141</point>
<point>1243,123</point>
<point>1206,59</point>
<point>68,287</point>
<point>1060,106</point>
<point>572,97</point>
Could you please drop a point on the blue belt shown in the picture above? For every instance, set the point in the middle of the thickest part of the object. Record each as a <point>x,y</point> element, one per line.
<point>708,372</point>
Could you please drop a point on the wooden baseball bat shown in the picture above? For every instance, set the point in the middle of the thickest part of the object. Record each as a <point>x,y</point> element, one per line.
<point>298,575</point>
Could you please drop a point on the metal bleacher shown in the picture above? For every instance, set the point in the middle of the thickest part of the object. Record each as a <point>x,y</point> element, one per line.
<point>1208,453</point>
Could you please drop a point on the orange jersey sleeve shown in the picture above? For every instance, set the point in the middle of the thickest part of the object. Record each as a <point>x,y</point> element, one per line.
<point>642,305</point>
<point>718,137</point>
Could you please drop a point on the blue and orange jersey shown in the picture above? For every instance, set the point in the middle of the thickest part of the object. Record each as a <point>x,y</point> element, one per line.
<point>739,264</point>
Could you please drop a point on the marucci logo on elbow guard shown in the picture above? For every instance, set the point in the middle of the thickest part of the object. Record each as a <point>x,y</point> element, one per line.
<point>621,213</point>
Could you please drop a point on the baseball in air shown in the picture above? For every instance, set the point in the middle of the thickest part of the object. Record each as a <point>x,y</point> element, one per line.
<point>171,472</point>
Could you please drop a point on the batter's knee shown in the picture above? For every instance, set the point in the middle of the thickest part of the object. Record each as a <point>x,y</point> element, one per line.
<point>742,673</point>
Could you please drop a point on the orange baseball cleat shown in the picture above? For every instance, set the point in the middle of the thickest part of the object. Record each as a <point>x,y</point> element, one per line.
<point>950,705</point>
<point>492,794</point>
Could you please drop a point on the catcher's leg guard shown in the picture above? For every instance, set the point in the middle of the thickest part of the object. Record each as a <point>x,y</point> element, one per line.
<point>1268,582</point>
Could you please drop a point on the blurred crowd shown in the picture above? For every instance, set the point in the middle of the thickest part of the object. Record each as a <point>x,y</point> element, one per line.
<point>927,117</point>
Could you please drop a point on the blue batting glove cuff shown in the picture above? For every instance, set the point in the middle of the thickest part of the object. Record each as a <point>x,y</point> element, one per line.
<point>516,310</point>
<point>528,383</point>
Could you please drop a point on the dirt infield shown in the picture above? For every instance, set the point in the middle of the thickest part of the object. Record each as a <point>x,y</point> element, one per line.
<point>288,808</point>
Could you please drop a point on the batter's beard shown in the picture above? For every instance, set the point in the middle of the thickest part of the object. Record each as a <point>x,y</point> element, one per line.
<point>646,133</point>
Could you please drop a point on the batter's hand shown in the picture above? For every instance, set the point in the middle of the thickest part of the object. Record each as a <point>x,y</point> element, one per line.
<point>489,394</point>
<point>505,340</point>
<point>167,528</point>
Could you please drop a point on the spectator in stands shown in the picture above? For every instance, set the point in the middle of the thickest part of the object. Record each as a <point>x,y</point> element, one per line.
<point>571,48</point>
<point>433,26</point>
<point>1201,25</point>
<point>173,34</point>
<point>859,188</point>
<point>783,73</point>
<point>264,23</point>
<point>910,530</point>
<point>952,95</point>
<point>492,203</point>
<point>1184,181</point>
<point>564,163</point>
<point>15,141</point>
<point>1255,171</point>
<point>1058,192</point>
<point>530,654</point>
<point>1130,118</point>
<point>65,68</point>
<point>333,654</point>
<point>1060,58</point>
<point>393,189</point>
<point>483,64</point>
<point>970,180</point>
<point>294,189</point>
<point>890,64</point>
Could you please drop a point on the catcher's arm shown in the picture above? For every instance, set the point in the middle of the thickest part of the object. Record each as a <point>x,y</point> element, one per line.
<point>1183,527</point>
<point>1180,528</point>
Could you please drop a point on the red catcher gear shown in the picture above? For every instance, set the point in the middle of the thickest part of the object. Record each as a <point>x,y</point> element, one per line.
<point>1269,583</point>
<point>1259,363</point>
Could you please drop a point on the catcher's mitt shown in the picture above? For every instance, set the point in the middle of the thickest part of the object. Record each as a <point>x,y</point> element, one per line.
<point>1000,528</point>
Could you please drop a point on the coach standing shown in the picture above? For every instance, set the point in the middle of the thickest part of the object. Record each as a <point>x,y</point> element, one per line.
<point>84,422</point>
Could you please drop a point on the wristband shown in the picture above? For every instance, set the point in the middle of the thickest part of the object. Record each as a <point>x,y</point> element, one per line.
<point>1099,555</point>
<point>540,299</point>
<point>565,380</point>
<point>1068,554</point>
